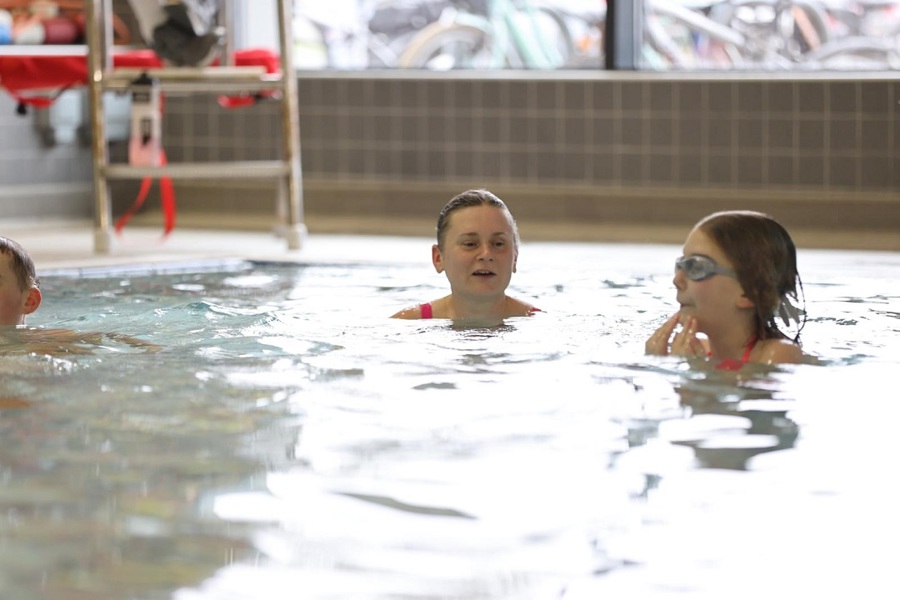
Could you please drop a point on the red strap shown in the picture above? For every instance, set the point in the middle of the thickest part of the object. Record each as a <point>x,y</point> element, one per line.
<point>426,310</point>
<point>167,199</point>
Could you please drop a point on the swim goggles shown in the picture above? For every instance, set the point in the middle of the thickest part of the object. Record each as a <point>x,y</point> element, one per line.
<point>699,267</point>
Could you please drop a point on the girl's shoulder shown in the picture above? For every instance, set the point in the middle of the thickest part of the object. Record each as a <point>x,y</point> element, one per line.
<point>776,350</point>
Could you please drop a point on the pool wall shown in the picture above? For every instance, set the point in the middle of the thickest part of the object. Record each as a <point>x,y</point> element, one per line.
<point>580,147</point>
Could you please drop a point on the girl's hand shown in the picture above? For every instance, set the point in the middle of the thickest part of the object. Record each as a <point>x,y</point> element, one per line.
<point>683,343</point>
<point>659,341</point>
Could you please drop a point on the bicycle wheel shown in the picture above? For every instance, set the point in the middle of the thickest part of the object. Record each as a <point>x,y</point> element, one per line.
<point>443,47</point>
<point>854,54</point>
<point>776,31</point>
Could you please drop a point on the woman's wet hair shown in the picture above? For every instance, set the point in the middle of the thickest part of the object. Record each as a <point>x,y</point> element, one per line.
<point>477,197</point>
<point>764,257</point>
<point>21,263</point>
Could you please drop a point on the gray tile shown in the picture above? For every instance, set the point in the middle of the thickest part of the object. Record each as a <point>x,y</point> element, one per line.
<point>721,133</point>
<point>843,134</point>
<point>843,172</point>
<point>781,134</point>
<point>750,169</point>
<point>660,133</point>
<point>842,96</point>
<point>574,96</point>
<point>721,96</point>
<point>720,170</point>
<point>810,172</point>
<point>662,96</point>
<point>751,97</point>
<point>781,97</point>
<point>876,136</point>
<point>811,97</point>
<point>575,131</point>
<point>690,168</point>
<point>603,132</point>
<point>812,135</point>
<point>876,99</point>
<point>632,96</point>
<point>692,132</point>
<point>750,133</point>
<point>604,95</point>
<point>660,168</point>
<point>876,175</point>
<point>632,132</point>
<point>546,95</point>
<point>691,96</point>
<point>632,170</point>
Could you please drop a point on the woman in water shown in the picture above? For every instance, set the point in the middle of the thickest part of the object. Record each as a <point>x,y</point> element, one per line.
<point>477,249</point>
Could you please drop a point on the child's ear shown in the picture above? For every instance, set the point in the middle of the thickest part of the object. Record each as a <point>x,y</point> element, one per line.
<point>744,302</point>
<point>33,301</point>
<point>436,259</point>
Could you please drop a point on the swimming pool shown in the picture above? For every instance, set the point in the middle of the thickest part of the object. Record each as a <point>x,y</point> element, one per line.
<point>284,439</point>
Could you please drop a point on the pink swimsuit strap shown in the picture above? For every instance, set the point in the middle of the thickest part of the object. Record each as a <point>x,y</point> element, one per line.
<point>427,313</point>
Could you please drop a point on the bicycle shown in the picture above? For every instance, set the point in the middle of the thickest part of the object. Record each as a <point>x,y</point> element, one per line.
<point>495,35</point>
<point>866,35</point>
<point>770,34</point>
<point>733,33</point>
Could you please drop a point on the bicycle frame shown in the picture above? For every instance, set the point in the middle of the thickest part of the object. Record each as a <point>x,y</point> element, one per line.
<point>512,37</point>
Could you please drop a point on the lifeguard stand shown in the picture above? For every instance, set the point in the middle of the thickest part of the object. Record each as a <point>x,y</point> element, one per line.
<point>224,78</point>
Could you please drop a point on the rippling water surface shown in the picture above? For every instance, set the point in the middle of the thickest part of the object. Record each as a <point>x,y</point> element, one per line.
<point>262,431</point>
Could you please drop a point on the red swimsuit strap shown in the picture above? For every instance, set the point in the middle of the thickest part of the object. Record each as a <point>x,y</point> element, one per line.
<point>426,310</point>
<point>750,347</point>
<point>730,364</point>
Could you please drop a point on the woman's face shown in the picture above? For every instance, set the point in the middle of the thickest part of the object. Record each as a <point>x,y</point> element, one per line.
<point>479,251</point>
<point>716,301</point>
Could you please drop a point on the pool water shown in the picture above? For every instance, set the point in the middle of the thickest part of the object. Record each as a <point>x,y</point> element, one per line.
<point>247,430</point>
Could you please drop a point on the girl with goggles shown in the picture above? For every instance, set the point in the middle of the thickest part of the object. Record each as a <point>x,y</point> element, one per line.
<point>737,278</point>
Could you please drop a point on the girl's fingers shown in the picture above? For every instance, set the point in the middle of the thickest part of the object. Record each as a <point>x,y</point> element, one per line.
<point>658,343</point>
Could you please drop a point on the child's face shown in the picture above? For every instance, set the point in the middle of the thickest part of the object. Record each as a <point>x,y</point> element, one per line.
<point>479,254</point>
<point>717,301</point>
<point>13,301</point>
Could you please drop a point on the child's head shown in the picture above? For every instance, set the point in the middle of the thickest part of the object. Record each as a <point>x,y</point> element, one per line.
<point>467,199</point>
<point>19,293</point>
<point>765,260</point>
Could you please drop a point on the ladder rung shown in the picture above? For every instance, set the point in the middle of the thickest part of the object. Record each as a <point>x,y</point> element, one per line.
<point>181,73</point>
<point>258,169</point>
<point>201,80</point>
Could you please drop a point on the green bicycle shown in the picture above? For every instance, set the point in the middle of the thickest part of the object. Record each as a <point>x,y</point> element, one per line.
<point>505,34</point>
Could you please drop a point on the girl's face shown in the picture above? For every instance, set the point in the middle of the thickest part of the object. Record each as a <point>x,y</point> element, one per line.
<point>716,301</point>
<point>479,251</point>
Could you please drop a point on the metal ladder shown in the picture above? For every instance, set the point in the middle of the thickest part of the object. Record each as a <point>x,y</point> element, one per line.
<point>222,79</point>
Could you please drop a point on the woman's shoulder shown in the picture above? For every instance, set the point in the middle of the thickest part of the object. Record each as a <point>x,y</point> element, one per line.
<point>410,312</point>
<point>520,308</point>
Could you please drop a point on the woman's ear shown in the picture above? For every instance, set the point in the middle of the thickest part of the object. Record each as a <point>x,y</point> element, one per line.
<point>436,259</point>
<point>32,301</point>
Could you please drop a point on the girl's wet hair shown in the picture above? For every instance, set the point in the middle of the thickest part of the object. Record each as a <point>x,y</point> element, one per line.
<point>466,199</point>
<point>764,257</point>
<point>21,262</point>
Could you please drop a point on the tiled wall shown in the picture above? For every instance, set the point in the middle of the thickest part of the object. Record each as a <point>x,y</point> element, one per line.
<point>37,179</point>
<point>621,146</point>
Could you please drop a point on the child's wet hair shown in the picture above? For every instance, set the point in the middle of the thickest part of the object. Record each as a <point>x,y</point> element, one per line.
<point>764,257</point>
<point>21,263</point>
